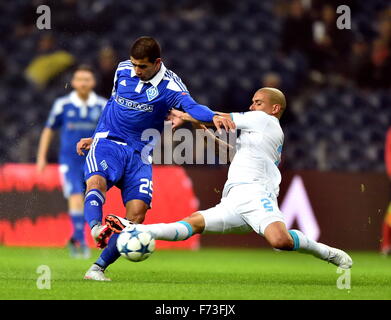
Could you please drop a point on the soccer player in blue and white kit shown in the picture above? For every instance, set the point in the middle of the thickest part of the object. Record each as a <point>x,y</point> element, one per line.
<point>249,200</point>
<point>75,115</point>
<point>144,92</point>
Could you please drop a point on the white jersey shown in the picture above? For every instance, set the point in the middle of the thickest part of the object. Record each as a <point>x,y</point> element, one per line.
<point>258,151</point>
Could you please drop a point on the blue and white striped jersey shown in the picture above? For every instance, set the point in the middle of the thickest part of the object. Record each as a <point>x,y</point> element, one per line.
<point>137,105</point>
<point>75,119</point>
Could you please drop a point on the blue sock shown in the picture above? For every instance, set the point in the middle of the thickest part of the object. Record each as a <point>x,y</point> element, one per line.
<point>78,222</point>
<point>296,240</point>
<point>110,253</point>
<point>93,204</point>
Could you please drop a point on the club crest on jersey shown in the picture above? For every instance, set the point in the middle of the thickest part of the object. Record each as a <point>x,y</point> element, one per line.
<point>71,113</point>
<point>94,114</point>
<point>104,165</point>
<point>152,93</point>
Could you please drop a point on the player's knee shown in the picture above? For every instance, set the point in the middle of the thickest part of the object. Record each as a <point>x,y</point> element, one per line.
<point>136,211</point>
<point>136,217</point>
<point>281,242</point>
<point>197,222</point>
<point>76,202</point>
<point>96,182</point>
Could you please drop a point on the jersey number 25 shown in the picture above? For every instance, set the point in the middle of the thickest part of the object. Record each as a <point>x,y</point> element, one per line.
<point>146,186</point>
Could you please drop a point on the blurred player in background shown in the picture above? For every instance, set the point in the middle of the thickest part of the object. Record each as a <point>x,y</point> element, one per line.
<point>144,91</point>
<point>76,116</point>
<point>250,194</point>
<point>385,245</point>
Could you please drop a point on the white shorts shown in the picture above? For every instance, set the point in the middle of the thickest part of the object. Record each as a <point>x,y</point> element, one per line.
<point>246,207</point>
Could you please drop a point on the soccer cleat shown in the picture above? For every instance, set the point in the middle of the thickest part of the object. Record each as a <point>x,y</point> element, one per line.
<point>96,273</point>
<point>73,252</point>
<point>339,258</point>
<point>101,235</point>
<point>85,252</point>
<point>117,224</point>
<point>385,252</point>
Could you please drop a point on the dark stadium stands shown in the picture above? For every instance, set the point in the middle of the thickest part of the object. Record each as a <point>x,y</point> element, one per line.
<point>221,52</point>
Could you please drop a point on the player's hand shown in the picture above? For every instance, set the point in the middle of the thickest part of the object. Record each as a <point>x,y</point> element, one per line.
<point>220,122</point>
<point>83,144</point>
<point>41,165</point>
<point>175,116</point>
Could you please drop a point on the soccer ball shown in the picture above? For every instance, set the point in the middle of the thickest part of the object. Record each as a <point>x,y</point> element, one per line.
<point>135,244</point>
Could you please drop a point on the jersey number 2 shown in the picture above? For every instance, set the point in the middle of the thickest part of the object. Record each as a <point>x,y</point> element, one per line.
<point>267,205</point>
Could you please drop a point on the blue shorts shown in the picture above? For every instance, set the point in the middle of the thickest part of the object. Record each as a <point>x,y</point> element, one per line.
<point>121,166</point>
<point>72,176</point>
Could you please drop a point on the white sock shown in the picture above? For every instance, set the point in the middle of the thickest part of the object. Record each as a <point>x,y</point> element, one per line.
<point>305,245</point>
<point>95,228</point>
<point>175,231</point>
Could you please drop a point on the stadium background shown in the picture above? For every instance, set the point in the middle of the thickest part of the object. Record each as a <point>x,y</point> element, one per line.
<point>337,84</point>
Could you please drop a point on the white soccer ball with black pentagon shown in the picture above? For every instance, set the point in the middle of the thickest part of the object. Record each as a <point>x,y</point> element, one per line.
<point>135,244</point>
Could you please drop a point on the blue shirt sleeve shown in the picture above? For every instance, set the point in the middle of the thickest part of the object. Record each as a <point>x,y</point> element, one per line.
<point>115,83</point>
<point>56,115</point>
<point>183,100</point>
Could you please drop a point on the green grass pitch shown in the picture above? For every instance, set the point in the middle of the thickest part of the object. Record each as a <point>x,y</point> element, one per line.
<point>222,274</point>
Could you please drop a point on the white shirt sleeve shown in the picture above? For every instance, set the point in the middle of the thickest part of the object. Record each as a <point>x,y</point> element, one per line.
<point>250,120</point>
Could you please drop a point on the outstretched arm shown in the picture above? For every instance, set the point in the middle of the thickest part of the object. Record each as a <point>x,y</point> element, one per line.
<point>182,99</point>
<point>219,117</point>
<point>178,118</point>
<point>44,144</point>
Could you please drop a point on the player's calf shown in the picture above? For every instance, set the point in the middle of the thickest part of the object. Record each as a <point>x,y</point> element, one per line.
<point>177,231</point>
<point>281,243</point>
<point>197,222</point>
<point>93,204</point>
<point>278,236</point>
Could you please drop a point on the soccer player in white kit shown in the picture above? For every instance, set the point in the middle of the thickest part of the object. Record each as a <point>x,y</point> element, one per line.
<point>249,199</point>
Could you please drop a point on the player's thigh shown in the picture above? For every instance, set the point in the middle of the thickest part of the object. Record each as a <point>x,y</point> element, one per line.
<point>65,180</point>
<point>106,159</point>
<point>72,180</point>
<point>222,219</point>
<point>260,211</point>
<point>136,183</point>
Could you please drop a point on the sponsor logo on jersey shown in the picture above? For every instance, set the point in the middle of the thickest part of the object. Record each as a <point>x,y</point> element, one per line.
<point>81,126</point>
<point>130,104</point>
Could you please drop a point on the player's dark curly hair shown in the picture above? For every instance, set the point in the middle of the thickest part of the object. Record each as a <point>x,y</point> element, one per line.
<point>145,47</point>
<point>83,67</point>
